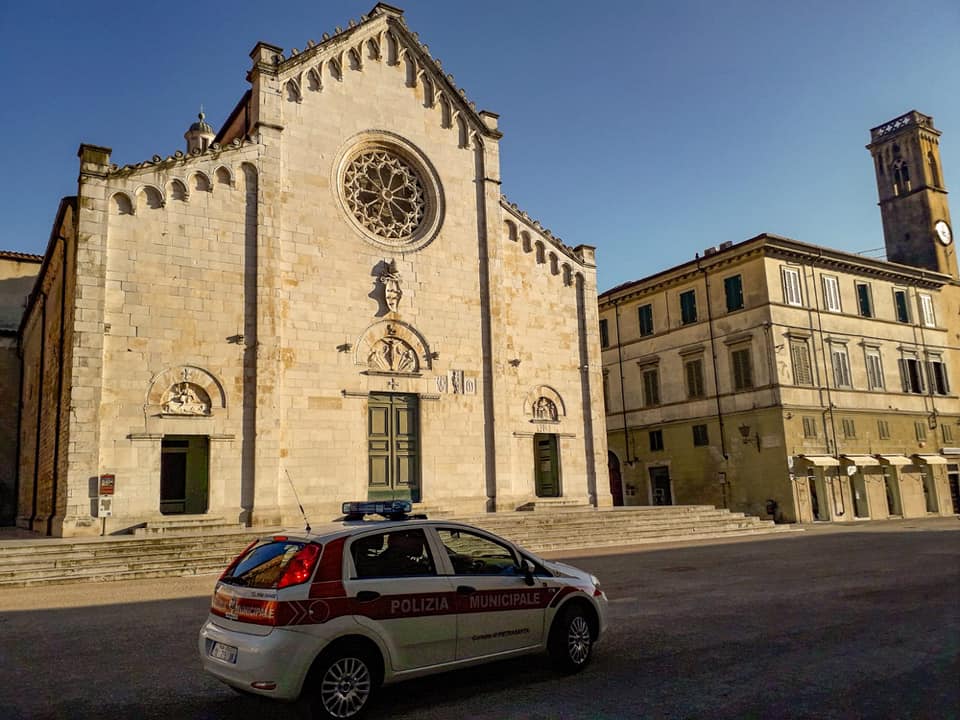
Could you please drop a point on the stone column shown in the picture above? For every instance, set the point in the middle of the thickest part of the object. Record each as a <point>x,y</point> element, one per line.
<point>497,449</point>
<point>591,381</point>
<point>267,129</point>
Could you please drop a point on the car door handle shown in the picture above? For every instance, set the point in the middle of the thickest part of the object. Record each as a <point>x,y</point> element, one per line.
<point>367,595</point>
<point>465,590</point>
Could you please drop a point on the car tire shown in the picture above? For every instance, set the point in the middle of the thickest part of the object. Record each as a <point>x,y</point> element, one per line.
<point>571,640</point>
<point>341,683</point>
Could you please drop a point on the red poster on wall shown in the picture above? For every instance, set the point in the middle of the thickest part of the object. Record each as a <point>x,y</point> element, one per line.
<point>107,484</point>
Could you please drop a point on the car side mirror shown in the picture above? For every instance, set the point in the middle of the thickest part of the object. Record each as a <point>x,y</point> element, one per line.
<point>526,567</point>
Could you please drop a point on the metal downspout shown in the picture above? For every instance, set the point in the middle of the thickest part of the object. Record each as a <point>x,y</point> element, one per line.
<point>623,402</point>
<point>833,424</point>
<point>713,359</point>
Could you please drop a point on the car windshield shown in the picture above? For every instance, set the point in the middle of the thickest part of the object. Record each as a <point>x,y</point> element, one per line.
<point>263,565</point>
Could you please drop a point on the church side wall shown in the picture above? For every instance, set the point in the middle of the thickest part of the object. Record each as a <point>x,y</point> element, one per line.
<point>547,338</point>
<point>175,304</point>
<point>43,431</point>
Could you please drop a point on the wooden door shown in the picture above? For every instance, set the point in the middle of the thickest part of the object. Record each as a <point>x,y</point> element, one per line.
<point>546,465</point>
<point>393,447</point>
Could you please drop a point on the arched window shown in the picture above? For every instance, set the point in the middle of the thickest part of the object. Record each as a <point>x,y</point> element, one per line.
<point>901,177</point>
<point>934,172</point>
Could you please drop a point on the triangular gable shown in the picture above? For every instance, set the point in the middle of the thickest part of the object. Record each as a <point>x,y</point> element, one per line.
<point>395,43</point>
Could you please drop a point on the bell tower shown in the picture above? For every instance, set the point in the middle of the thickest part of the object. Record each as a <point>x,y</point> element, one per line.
<point>913,197</point>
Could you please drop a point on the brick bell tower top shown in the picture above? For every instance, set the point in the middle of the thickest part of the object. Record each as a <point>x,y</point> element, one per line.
<point>913,196</point>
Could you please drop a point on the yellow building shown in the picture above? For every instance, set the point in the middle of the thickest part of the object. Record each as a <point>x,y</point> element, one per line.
<point>789,380</point>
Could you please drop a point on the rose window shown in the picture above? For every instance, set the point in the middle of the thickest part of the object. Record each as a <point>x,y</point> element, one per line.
<point>384,194</point>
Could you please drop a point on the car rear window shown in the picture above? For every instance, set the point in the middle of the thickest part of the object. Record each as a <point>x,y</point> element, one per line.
<point>263,565</point>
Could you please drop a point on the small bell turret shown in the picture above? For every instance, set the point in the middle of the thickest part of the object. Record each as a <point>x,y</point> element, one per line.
<point>200,134</point>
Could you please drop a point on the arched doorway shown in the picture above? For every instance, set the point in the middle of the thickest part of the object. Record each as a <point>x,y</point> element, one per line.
<point>616,483</point>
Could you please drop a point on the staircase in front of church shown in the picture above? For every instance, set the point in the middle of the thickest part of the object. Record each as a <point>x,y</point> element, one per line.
<point>206,549</point>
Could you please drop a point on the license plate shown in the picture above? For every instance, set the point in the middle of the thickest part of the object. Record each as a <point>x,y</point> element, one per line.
<point>227,653</point>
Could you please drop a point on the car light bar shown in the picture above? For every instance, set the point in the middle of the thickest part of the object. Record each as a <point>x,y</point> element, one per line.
<point>388,509</point>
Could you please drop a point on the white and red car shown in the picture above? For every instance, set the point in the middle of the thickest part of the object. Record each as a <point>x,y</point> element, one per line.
<point>325,617</point>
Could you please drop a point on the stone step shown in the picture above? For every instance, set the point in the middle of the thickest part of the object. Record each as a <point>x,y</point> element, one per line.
<point>594,522</point>
<point>73,559</point>
<point>533,541</point>
<point>217,562</point>
<point>211,569</point>
<point>680,537</point>
<point>186,524</point>
<point>197,545</point>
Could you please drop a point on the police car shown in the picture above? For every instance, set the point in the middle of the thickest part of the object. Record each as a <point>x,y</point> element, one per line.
<point>324,617</point>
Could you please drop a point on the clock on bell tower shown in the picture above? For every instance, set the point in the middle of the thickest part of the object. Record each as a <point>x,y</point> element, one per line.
<point>913,198</point>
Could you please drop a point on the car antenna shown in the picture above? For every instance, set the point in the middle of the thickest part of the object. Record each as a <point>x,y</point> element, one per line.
<point>299,504</point>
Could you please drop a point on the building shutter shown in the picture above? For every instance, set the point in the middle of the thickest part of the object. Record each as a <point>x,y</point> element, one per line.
<point>800,356</point>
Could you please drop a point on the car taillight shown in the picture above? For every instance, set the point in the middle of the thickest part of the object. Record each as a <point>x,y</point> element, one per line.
<point>300,567</point>
<point>236,560</point>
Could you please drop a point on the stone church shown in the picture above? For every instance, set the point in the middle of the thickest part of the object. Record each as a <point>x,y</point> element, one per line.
<point>326,299</point>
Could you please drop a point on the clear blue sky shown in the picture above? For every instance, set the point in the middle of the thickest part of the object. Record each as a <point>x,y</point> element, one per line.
<point>648,129</point>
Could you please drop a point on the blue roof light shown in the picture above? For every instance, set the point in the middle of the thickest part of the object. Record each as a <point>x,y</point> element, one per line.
<point>389,508</point>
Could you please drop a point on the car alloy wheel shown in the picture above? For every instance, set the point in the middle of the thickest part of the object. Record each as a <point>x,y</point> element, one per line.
<point>578,640</point>
<point>571,640</point>
<point>345,687</point>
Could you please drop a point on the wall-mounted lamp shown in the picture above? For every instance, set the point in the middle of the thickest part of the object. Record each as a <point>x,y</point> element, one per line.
<point>745,434</point>
<point>345,348</point>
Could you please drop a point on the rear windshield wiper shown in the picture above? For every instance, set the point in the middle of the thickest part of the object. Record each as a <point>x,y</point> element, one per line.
<point>235,579</point>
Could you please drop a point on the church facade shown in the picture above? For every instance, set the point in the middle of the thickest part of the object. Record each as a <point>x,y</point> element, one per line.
<point>328,299</point>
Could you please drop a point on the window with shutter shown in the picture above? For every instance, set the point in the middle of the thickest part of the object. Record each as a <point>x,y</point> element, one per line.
<point>831,293</point>
<point>849,428</point>
<point>809,426</point>
<point>651,387</point>
<point>733,288</point>
<point>900,305</point>
<point>700,436</point>
<point>800,357</point>
<point>911,375</point>
<point>874,370</point>
<point>864,300</point>
<point>694,370</point>
<point>926,310</point>
<point>604,334</point>
<point>656,440</point>
<point>841,366</point>
<point>937,375</point>
<point>791,286</point>
<point>646,319</point>
<point>742,369</point>
<point>688,307</point>
<point>883,429</point>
